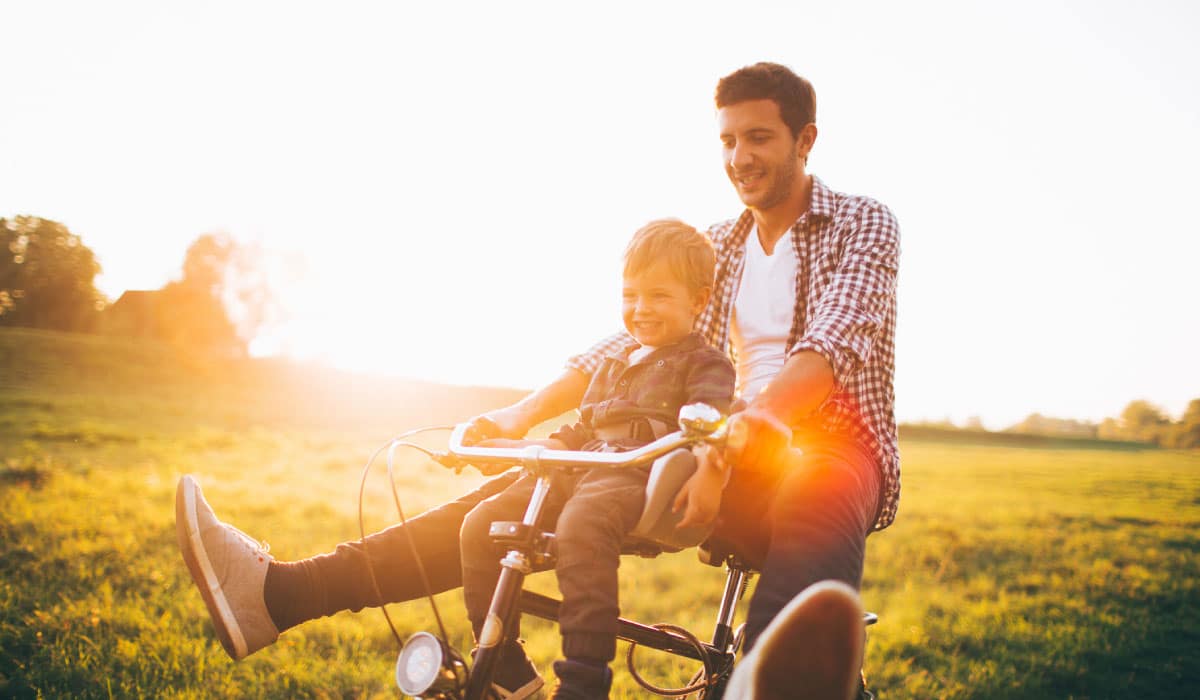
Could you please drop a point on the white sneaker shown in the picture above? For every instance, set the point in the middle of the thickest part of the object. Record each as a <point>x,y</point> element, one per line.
<point>230,569</point>
<point>812,649</point>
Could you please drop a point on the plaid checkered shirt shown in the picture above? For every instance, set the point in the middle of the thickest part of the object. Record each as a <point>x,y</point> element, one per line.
<point>847,250</point>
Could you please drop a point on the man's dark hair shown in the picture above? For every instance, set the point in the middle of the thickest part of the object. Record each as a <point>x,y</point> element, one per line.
<point>770,81</point>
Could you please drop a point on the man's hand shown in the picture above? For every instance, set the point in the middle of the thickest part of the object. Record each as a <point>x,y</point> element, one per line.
<point>760,435</point>
<point>757,440</point>
<point>700,497</point>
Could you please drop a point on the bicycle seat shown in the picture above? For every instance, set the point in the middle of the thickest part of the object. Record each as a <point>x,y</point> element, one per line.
<point>657,532</point>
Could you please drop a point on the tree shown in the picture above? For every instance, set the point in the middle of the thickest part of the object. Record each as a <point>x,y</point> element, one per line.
<point>222,299</point>
<point>1110,429</point>
<point>47,276</point>
<point>1144,422</point>
<point>1037,424</point>
<point>1186,433</point>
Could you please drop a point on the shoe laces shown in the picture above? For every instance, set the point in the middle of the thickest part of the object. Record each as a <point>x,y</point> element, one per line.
<point>254,545</point>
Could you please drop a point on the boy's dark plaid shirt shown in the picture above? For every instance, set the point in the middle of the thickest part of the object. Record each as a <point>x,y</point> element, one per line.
<point>847,248</point>
<point>621,395</point>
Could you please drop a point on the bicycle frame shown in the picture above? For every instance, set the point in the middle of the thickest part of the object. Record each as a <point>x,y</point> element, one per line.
<point>426,669</point>
<point>700,423</point>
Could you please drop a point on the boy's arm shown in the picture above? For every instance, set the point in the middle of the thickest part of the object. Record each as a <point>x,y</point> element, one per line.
<point>711,380</point>
<point>554,399</point>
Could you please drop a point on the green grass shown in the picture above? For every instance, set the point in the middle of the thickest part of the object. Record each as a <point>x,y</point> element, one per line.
<point>1064,571</point>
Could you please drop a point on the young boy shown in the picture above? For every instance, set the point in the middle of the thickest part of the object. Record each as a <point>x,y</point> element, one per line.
<point>634,397</point>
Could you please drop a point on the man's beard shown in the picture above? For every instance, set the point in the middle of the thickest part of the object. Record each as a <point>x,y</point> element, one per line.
<point>781,187</point>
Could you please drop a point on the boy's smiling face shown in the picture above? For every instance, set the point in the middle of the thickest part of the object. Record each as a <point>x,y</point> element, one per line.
<point>658,308</point>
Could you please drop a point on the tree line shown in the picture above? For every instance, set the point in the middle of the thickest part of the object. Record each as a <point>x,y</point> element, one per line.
<point>1140,421</point>
<point>222,299</point>
<point>217,304</point>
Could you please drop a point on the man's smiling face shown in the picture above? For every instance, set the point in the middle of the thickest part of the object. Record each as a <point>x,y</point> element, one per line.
<point>762,158</point>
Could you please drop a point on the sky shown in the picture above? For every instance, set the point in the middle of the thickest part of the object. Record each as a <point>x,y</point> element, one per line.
<point>444,191</point>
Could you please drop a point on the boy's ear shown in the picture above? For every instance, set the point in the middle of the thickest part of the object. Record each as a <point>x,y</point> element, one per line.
<point>700,300</point>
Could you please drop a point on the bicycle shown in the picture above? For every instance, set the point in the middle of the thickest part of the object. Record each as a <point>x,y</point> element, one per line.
<point>428,667</point>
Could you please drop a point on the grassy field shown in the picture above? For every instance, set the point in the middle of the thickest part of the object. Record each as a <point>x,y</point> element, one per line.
<point>1012,572</point>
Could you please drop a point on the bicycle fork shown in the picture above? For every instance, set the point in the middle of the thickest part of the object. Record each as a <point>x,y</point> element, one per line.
<point>515,566</point>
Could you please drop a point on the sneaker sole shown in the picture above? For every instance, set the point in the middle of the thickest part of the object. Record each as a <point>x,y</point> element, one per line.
<point>187,529</point>
<point>829,664</point>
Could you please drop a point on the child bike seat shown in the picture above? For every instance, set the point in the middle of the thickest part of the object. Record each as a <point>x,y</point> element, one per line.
<point>656,531</point>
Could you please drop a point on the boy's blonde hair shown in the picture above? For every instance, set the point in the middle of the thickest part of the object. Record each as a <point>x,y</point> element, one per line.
<point>688,253</point>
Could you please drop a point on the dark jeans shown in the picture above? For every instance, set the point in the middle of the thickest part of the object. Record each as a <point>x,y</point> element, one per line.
<point>590,511</point>
<point>341,580</point>
<point>805,523</point>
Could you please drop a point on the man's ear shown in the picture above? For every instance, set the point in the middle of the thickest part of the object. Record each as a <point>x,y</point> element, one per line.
<point>805,141</point>
<point>700,300</point>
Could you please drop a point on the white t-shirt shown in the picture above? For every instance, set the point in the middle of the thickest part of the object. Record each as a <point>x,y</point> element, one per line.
<point>762,313</point>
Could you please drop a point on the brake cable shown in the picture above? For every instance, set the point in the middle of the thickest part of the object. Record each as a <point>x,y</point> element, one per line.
<point>397,441</point>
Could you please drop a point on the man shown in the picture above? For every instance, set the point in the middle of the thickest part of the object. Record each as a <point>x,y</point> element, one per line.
<point>805,301</point>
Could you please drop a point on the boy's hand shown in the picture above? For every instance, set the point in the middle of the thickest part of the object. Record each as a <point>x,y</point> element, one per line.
<point>506,422</point>
<point>700,497</point>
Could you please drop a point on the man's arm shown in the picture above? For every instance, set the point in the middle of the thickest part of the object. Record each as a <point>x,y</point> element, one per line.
<point>799,389</point>
<point>837,342</point>
<point>849,316</point>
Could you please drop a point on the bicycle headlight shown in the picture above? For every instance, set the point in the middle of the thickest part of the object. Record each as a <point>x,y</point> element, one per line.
<point>425,670</point>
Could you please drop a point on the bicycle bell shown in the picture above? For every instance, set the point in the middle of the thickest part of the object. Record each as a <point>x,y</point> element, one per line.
<point>699,419</point>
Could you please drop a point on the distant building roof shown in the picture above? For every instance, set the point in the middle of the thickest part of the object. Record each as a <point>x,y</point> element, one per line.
<point>135,313</point>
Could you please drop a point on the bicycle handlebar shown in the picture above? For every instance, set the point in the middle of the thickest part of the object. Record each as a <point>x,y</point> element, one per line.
<point>698,423</point>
